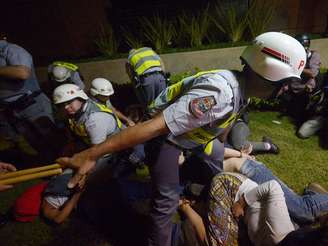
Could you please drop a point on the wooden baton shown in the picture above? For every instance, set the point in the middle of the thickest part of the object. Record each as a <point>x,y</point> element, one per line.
<point>28,171</point>
<point>30,176</point>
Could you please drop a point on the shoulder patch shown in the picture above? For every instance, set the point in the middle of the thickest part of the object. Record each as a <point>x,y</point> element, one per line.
<point>199,106</point>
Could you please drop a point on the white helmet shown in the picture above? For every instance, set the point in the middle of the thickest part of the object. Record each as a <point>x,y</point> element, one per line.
<point>67,92</point>
<point>60,73</point>
<point>101,86</point>
<point>275,56</point>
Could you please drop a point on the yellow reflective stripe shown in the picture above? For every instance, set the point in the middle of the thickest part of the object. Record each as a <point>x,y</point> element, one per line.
<point>68,65</point>
<point>200,136</point>
<point>173,91</point>
<point>206,72</point>
<point>208,149</point>
<point>79,130</point>
<point>104,108</point>
<point>137,56</point>
<point>152,61</point>
<point>228,122</point>
<point>147,64</point>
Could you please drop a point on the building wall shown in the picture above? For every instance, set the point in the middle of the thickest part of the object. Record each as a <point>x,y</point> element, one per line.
<point>175,63</point>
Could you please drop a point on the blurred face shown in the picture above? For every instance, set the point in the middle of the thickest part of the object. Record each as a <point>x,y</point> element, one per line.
<point>256,86</point>
<point>102,98</point>
<point>70,108</point>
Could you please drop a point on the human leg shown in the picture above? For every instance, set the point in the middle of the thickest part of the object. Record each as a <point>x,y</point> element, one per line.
<point>238,138</point>
<point>310,127</point>
<point>302,209</point>
<point>163,159</point>
<point>36,124</point>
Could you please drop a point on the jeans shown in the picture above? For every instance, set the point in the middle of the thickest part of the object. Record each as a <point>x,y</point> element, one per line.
<point>238,138</point>
<point>302,209</point>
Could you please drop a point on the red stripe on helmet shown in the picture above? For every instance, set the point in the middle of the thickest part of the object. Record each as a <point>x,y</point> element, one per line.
<point>276,54</point>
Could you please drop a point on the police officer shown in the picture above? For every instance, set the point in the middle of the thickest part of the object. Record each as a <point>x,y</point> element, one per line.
<point>146,71</point>
<point>295,94</point>
<point>101,89</point>
<point>312,67</point>
<point>90,121</point>
<point>60,72</point>
<point>192,113</point>
<point>309,84</point>
<point>24,108</point>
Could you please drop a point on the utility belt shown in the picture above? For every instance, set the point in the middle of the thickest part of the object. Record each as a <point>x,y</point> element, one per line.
<point>140,79</point>
<point>21,103</point>
<point>143,76</point>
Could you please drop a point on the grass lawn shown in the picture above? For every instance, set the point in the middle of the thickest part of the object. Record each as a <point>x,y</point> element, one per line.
<point>299,163</point>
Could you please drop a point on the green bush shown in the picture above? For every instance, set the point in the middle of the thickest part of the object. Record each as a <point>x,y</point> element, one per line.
<point>194,28</point>
<point>106,41</point>
<point>158,31</point>
<point>229,21</point>
<point>260,14</point>
<point>131,39</point>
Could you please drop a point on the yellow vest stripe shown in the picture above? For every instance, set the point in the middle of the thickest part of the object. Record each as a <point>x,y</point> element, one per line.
<point>68,65</point>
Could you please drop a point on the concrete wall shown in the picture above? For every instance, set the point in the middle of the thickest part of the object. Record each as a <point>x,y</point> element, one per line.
<point>227,58</point>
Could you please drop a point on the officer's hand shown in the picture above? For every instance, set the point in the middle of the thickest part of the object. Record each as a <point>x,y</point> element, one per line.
<point>131,123</point>
<point>4,168</point>
<point>83,162</point>
<point>5,187</point>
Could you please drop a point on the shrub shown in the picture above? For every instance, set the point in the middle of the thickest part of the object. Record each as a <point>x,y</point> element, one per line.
<point>194,29</point>
<point>159,31</point>
<point>106,41</point>
<point>131,39</point>
<point>260,14</point>
<point>229,21</point>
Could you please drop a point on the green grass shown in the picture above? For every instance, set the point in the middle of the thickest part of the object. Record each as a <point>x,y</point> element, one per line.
<point>300,162</point>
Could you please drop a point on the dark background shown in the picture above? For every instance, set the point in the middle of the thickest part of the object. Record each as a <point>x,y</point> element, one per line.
<point>67,29</point>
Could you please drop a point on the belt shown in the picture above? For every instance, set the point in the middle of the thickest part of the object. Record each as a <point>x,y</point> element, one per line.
<point>150,73</point>
<point>21,103</point>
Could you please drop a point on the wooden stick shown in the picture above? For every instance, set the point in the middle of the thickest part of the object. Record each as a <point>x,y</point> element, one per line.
<point>28,171</point>
<point>30,176</point>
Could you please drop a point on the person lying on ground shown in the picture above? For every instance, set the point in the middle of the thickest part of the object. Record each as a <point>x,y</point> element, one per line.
<point>262,207</point>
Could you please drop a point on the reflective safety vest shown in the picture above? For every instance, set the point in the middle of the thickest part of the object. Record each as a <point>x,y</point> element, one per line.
<point>78,126</point>
<point>205,134</point>
<point>142,59</point>
<point>67,65</point>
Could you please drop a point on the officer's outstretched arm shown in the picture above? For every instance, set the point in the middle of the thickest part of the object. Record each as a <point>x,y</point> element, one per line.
<point>15,72</point>
<point>129,137</point>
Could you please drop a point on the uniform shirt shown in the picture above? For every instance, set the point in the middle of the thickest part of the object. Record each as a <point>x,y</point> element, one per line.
<point>99,126</point>
<point>13,55</point>
<point>179,118</point>
<point>313,64</point>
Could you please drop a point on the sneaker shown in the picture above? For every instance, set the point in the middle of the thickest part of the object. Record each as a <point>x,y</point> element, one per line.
<point>274,149</point>
<point>315,187</point>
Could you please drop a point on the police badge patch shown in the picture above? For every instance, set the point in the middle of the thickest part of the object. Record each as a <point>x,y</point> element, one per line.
<point>199,106</point>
